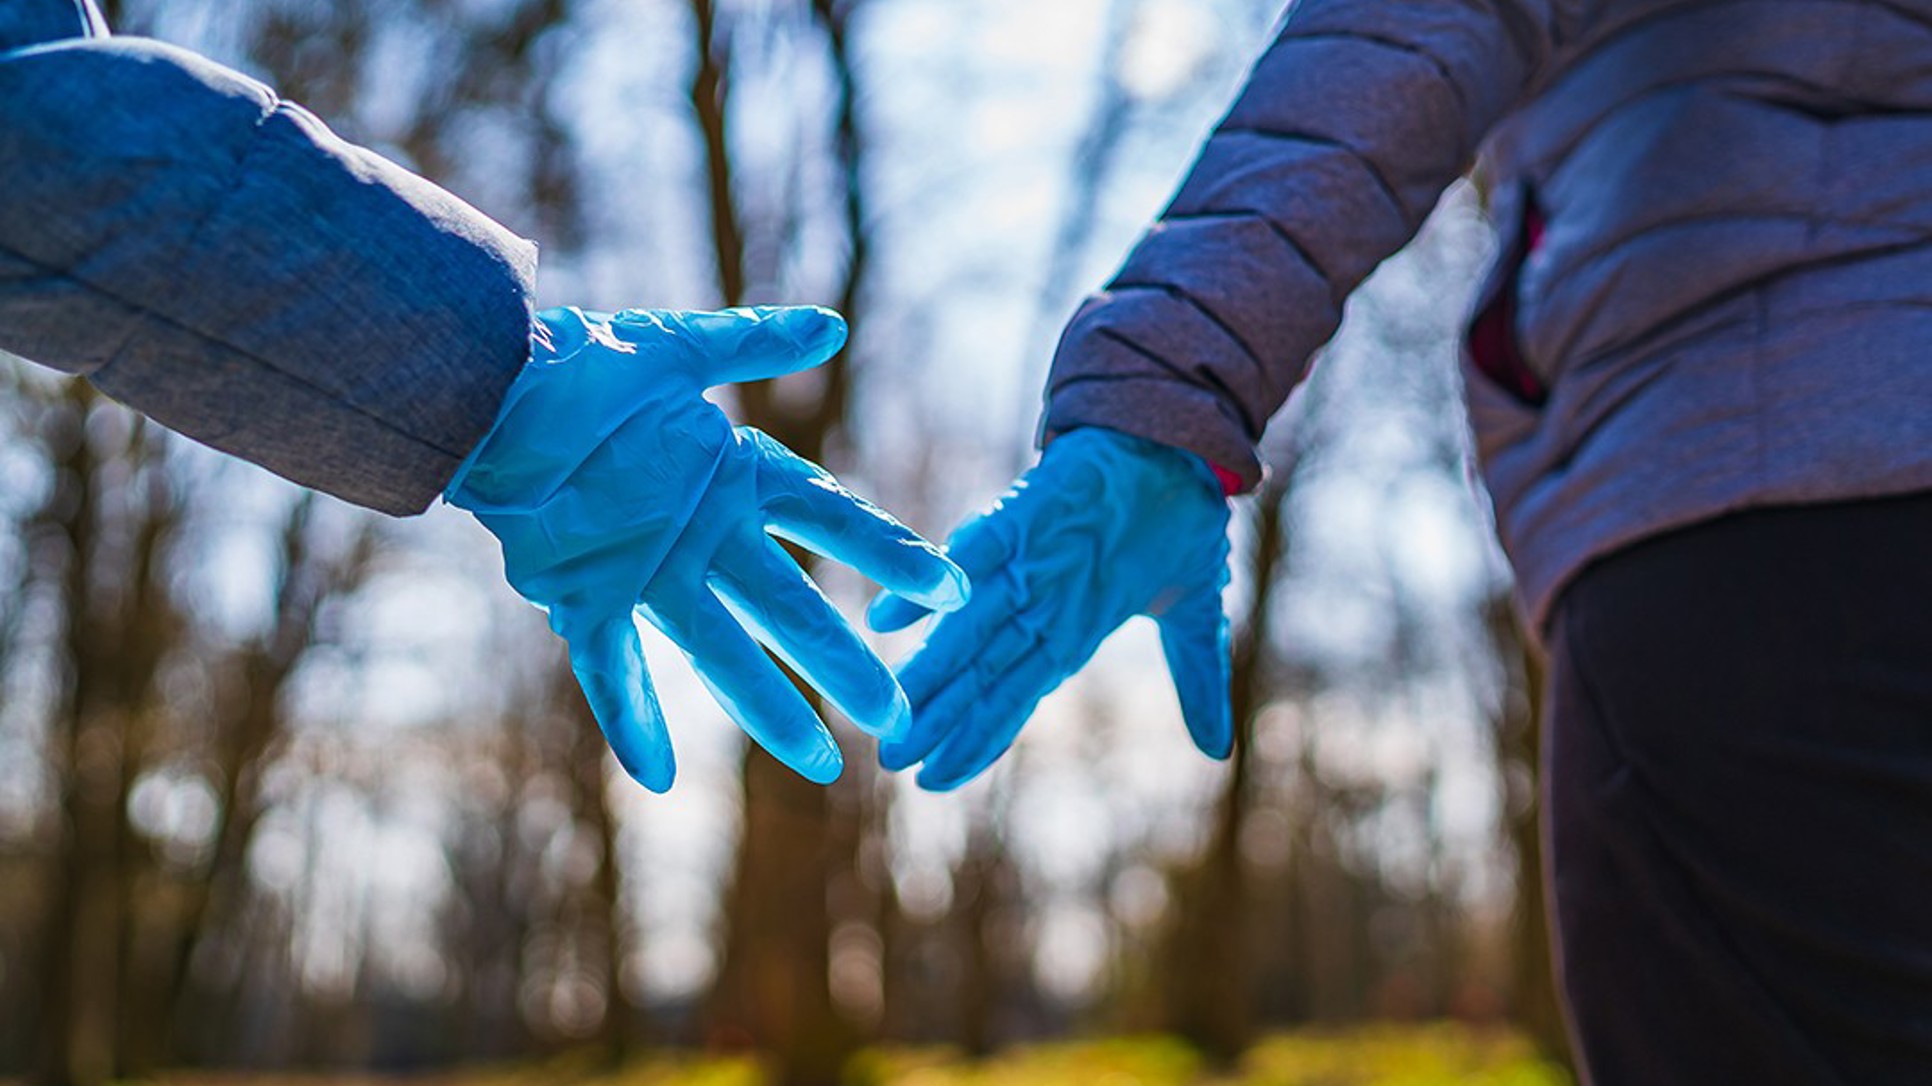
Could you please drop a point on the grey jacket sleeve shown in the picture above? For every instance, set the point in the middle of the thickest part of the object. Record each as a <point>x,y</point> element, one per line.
<point>32,22</point>
<point>1349,129</point>
<point>219,260</point>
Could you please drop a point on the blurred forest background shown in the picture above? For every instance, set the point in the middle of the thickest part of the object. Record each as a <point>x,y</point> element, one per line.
<point>286,785</point>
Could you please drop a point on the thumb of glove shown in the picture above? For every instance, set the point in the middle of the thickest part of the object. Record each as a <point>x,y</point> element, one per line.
<point>1196,642</point>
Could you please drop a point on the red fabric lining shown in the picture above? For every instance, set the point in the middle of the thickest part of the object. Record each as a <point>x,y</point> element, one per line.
<point>1491,340</point>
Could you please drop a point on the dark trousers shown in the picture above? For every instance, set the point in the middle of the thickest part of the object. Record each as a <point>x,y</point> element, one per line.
<point>1739,795</point>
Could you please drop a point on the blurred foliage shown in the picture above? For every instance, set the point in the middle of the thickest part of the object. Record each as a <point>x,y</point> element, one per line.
<point>1382,1055</point>
<point>1118,1061</point>
<point>1388,1055</point>
<point>580,1068</point>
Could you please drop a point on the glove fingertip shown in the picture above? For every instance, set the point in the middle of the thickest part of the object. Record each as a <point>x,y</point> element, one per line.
<point>828,321</point>
<point>1216,739</point>
<point>1209,715</point>
<point>882,712</point>
<point>898,724</point>
<point>946,592</point>
<point>819,332</point>
<point>656,773</point>
<point>905,752</point>
<point>636,739</point>
<point>821,766</point>
<point>608,660</point>
<point>946,778</point>
<point>894,757</point>
<point>1194,638</point>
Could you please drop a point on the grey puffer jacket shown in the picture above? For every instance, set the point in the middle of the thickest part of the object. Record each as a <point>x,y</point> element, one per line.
<point>1715,282</point>
<point>217,258</point>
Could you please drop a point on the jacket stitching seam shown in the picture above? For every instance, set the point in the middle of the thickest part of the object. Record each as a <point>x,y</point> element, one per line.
<point>1394,45</point>
<point>1187,298</point>
<point>1216,388</point>
<point>1289,136</point>
<point>1267,220</point>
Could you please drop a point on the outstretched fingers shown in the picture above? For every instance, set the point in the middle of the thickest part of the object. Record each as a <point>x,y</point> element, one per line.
<point>608,660</point>
<point>746,682</point>
<point>957,640</point>
<point>961,647</point>
<point>781,606</point>
<point>806,504</point>
<point>746,344</point>
<point>977,547</point>
<point>981,721</point>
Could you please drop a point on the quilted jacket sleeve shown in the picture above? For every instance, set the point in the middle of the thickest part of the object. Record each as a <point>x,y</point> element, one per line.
<point>1350,127</point>
<point>216,258</point>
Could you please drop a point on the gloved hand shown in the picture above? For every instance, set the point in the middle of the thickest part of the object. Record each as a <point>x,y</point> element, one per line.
<point>613,485</point>
<point>1105,527</point>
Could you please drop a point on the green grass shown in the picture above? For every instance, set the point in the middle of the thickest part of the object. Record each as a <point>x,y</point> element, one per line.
<point>1384,1055</point>
<point>1397,1056</point>
<point>1116,1061</point>
<point>1433,1055</point>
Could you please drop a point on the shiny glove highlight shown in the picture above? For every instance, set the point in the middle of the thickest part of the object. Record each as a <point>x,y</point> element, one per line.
<point>614,486</point>
<point>1107,526</point>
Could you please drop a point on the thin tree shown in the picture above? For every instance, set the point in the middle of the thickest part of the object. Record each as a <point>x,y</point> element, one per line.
<point>1208,993</point>
<point>797,842</point>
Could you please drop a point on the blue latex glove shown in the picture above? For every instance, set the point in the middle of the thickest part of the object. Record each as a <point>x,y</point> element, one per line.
<point>614,486</point>
<point>1106,527</point>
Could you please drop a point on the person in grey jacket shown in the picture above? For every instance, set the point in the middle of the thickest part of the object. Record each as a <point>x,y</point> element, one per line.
<point>216,258</point>
<point>1701,389</point>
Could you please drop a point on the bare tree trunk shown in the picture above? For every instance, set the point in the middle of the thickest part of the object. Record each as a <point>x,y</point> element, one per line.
<point>150,626</point>
<point>118,625</point>
<point>495,874</point>
<point>710,80</point>
<point>1209,997</point>
<point>591,802</point>
<point>798,841</point>
<point>243,739</point>
<point>985,898</point>
<point>68,973</point>
<point>772,990</point>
